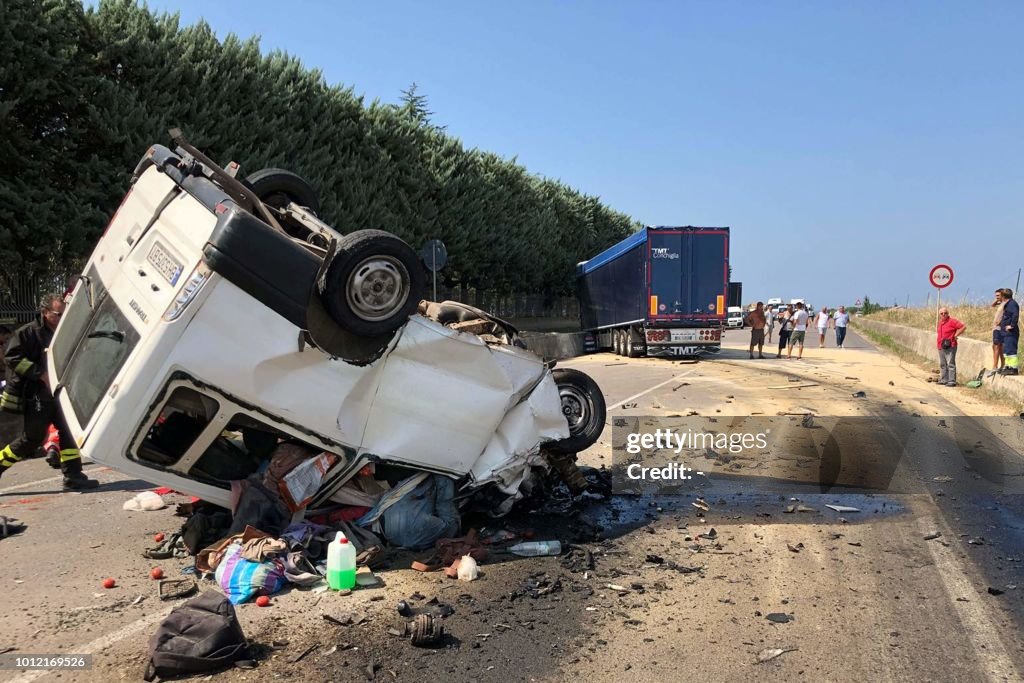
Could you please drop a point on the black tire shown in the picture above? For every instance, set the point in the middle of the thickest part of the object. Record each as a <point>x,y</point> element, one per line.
<point>617,336</point>
<point>277,187</point>
<point>584,408</point>
<point>634,345</point>
<point>374,283</point>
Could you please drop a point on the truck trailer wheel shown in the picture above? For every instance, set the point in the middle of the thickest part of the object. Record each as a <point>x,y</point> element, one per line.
<point>373,284</point>
<point>620,347</point>
<point>635,347</point>
<point>584,408</point>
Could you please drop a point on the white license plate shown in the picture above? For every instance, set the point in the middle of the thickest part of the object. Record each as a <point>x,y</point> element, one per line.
<point>684,335</point>
<point>164,263</point>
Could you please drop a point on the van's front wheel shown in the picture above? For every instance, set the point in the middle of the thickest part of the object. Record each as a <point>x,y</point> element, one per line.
<point>584,409</point>
<point>373,284</point>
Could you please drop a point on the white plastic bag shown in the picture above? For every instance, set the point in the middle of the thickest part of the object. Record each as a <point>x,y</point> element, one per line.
<point>147,500</point>
<point>468,569</point>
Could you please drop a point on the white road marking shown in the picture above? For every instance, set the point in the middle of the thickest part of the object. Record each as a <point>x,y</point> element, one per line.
<point>983,635</point>
<point>30,484</point>
<point>647,391</point>
<point>103,642</point>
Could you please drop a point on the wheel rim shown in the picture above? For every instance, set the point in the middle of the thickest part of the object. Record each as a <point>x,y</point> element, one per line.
<point>576,407</point>
<point>378,288</point>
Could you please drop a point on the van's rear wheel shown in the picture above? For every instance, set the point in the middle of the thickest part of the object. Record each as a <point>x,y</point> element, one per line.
<point>374,283</point>
<point>277,188</point>
<point>584,409</point>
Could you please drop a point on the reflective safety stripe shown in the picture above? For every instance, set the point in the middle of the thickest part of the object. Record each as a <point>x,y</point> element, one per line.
<point>10,401</point>
<point>1011,361</point>
<point>70,454</point>
<point>8,456</point>
<point>23,366</point>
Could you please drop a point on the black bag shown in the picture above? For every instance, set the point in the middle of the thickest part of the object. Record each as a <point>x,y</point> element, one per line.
<point>202,635</point>
<point>947,344</point>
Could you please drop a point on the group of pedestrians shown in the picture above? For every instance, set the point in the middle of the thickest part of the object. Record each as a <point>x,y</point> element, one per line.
<point>793,322</point>
<point>1005,339</point>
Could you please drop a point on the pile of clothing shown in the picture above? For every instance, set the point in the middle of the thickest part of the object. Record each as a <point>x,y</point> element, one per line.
<point>267,542</point>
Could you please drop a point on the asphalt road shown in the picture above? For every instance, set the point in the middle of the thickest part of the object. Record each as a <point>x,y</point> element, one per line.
<point>864,594</point>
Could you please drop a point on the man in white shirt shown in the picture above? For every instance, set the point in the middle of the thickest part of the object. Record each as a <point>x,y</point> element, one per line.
<point>799,320</point>
<point>823,318</point>
<point>841,319</point>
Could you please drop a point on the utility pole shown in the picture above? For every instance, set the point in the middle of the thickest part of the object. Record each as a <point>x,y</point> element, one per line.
<point>1017,287</point>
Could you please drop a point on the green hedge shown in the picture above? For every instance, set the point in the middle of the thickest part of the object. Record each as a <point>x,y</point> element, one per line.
<point>84,93</point>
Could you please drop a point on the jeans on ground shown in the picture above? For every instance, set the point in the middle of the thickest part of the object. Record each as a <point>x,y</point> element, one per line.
<point>426,514</point>
<point>947,365</point>
<point>840,335</point>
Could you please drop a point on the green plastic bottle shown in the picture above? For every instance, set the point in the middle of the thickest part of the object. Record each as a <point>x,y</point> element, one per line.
<point>341,564</point>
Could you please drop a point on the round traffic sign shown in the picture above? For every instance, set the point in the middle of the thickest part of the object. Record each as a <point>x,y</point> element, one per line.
<point>941,276</point>
<point>435,255</point>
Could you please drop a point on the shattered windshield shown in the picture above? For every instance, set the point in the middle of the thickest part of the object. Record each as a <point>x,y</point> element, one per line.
<point>107,343</point>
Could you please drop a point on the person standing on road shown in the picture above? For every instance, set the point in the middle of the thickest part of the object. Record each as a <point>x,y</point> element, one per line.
<point>1010,326</point>
<point>822,324</point>
<point>769,316</point>
<point>997,334</point>
<point>785,328</point>
<point>841,319</point>
<point>757,324</point>
<point>948,330</point>
<point>799,321</point>
<point>27,393</point>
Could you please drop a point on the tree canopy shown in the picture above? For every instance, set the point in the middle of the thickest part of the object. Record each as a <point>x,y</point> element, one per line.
<point>83,93</point>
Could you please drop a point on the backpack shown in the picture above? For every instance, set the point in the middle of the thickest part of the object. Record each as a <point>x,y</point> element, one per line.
<point>199,636</point>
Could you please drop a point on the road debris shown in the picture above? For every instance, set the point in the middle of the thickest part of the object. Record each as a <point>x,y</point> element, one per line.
<point>779,617</point>
<point>701,504</point>
<point>933,535</point>
<point>944,479</point>
<point>468,569</point>
<point>860,394</point>
<point>842,508</point>
<point>770,653</point>
<point>145,501</point>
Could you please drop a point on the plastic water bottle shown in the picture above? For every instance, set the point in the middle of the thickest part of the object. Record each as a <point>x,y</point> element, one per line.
<point>536,548</point>
<point>341,564</point>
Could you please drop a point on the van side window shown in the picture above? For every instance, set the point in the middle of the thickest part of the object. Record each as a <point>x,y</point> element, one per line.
<point>238,451</point>
<point>182,419</point>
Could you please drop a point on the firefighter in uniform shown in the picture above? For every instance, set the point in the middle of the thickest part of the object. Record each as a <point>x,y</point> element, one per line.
<point>27,392</point>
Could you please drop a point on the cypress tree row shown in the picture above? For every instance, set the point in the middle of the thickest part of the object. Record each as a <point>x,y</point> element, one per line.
<point>83,94</point>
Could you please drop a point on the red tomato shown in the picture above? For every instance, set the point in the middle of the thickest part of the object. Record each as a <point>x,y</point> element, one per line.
<point>109,583</point>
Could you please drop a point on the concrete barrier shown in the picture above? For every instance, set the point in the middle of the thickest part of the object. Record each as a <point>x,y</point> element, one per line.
<point>557,345</point>
<point>972,355</point>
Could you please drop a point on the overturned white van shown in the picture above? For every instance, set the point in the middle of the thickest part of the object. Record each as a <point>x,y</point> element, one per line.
<point>217,314</point>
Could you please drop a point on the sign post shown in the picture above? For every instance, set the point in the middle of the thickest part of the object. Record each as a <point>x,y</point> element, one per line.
<point>940,277</point>
<point>435,256</point>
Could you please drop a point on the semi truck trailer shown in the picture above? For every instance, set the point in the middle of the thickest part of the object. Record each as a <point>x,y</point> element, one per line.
<point>662,291</point>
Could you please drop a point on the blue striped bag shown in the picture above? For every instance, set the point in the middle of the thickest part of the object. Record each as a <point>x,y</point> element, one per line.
<point>242,579</point>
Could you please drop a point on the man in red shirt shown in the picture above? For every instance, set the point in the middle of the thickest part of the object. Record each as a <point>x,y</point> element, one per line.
<point>948,330</point>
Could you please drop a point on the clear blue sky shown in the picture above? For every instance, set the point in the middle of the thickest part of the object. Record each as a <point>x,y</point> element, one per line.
<point>850,146</point>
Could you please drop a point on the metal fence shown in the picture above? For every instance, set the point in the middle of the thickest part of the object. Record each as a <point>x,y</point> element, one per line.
<point>20,295</point>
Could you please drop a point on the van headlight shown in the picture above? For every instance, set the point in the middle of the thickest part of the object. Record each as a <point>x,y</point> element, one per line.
<point>200,274</point>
